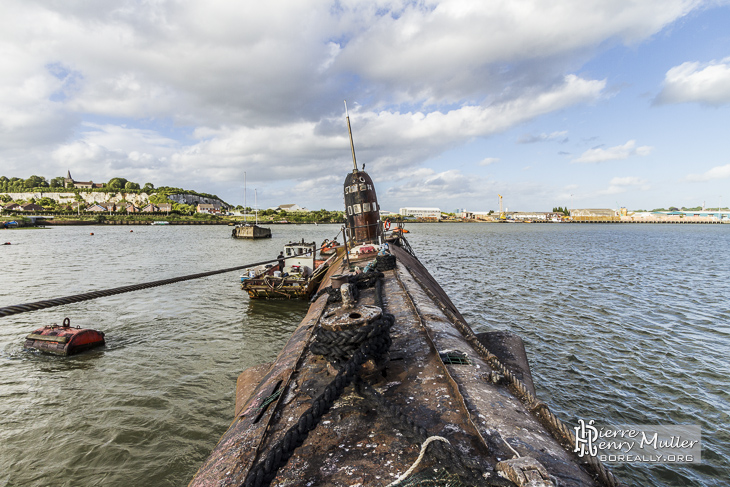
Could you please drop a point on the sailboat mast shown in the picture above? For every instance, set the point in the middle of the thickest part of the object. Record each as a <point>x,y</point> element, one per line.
<point>352,144</point>
<point>245,217</point>
<point>256,204</point>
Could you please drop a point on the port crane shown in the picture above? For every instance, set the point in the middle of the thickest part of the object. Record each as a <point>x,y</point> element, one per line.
<point>502,216</point>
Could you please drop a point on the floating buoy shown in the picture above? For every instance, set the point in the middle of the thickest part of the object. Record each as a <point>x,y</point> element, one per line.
<point>64,340</point>
<point>7,243</point>
<point>92,233</point>
<point>131,231</point>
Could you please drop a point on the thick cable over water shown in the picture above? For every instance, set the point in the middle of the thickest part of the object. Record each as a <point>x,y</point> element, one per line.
<point>50,303</point>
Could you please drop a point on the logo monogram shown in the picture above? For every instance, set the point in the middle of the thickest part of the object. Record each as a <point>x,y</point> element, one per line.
<point>585,435</point>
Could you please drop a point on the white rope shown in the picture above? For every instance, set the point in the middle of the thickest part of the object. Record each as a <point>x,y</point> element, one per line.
<point>505,442</point>
<point>420,457</point>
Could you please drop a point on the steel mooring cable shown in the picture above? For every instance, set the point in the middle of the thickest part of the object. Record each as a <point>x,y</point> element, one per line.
<point>49,303</point>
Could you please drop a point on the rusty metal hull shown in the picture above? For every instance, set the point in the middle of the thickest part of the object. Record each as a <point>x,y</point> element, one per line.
<point>64,340</point>
<point>269,287</point>
<point>359,444</point>
<point>361,208</point>
<point>250,232</point>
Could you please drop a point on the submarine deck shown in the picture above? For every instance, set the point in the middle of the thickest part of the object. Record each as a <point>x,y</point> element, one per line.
<point>363,440</point>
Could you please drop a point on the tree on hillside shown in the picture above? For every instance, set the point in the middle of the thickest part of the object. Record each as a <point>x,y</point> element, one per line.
<point>131,185</point>
<point>183,209</point>
<point>148,187</point>
<point>159,199</point>
<point>47,202</point>
<point>57,182</point>
<point>116,183</point>
<point>36,182</point>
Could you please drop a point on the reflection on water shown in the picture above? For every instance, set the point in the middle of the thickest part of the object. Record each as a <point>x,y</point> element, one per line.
<point>622,324</point>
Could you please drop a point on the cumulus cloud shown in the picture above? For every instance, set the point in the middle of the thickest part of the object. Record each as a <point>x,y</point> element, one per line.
<point>614,153</point>
<point>488,160</point>
<point>427,186</point>
<point>717,172</point>
<point>107,151</point>
<point>261,62</point>
<point>198,91</point>
<point>385,139</point>
<point>421,49</point>
<point>707,84</point>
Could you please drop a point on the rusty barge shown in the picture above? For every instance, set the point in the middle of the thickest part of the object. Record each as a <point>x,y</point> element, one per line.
<point>384,383</point>
<point>295,277</point>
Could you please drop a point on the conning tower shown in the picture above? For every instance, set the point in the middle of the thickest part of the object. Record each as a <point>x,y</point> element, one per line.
<point>362,209</point>
<point>361,203</point>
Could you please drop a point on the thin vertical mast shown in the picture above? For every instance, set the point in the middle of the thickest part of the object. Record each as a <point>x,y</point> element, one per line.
<point>352,144</point>
<point>245,219</point>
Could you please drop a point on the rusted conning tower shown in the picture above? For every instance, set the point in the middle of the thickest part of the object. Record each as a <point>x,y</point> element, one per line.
<point>361,203</point>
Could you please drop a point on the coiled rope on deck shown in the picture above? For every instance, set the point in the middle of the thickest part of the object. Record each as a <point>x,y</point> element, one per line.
<point>338,347</point>
<point>265,471</point>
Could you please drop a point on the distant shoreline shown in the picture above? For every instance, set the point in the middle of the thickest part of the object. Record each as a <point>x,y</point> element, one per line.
<point>121,221</point>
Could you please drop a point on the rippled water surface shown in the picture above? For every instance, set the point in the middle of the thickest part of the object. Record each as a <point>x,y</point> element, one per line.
<point>623,324</point>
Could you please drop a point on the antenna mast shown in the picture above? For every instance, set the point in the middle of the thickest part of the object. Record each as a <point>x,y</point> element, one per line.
<point>352,144</point>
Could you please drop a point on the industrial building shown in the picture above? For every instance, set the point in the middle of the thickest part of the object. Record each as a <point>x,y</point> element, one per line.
<point>421,212</point>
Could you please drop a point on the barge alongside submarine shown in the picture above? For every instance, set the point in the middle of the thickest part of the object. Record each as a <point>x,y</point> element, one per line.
<point>384,383</point>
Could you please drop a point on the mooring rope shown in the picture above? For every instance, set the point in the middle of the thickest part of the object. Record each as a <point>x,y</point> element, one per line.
<point>265,471</point>
<point>338,347</point>
<point>447,455</point>
<point>424,446</point>
<point>50,303</point>
<point>555,425</point>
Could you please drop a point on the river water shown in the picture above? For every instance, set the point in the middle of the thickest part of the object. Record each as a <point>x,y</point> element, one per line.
<point>623,324</point>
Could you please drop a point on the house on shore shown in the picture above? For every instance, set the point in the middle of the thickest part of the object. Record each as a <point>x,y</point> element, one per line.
<point>31,207</point>
<point>102,207</point>
<point>291,207</point>
<point>210,208</point>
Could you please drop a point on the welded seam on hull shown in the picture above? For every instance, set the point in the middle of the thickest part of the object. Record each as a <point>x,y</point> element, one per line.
<point>434,350</point>
<point>284,387</point>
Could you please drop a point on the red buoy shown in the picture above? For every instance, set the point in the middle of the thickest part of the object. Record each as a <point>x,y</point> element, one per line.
<point>64,340</point>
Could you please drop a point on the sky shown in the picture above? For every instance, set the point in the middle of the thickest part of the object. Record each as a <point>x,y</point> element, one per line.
<point>577,103</point>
